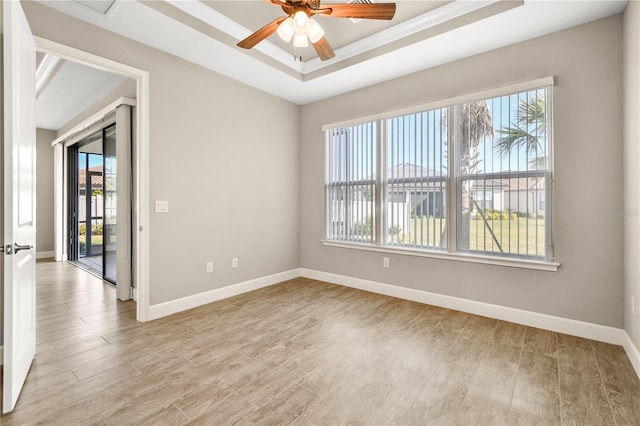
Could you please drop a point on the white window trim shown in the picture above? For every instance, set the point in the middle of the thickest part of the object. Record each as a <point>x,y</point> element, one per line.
<point>451,254</point>
<point>539,265</point>
<point>491,93</point>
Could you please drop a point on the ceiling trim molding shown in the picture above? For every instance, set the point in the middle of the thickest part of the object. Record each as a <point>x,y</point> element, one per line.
<point>95,6</point>
<point>45,72</point>
<point>230,27</point>
<point>397,32</point>
<point>410,27</point>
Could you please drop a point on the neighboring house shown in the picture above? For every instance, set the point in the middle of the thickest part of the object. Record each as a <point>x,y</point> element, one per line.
<point>488,194</point>
<point>523,196</point>
<point>97,208</point>
<point>421,190</point>
<point>417,191</point>
<point>414,190</point>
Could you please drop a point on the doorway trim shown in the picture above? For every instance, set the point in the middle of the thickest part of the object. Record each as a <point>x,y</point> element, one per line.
<point>141,200</point>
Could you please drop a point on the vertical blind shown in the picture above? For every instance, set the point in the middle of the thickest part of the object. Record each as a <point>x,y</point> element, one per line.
<point>416,179</point>
<point>351,186</point>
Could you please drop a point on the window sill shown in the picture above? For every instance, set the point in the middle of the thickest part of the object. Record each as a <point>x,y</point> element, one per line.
<point>459,257</point>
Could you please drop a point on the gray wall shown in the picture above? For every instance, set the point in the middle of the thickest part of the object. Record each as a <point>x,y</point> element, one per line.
<point>223,154</point>
<point>126,89</point>
<point>44,189</point>
<point>632,168</point>
<point>587,62</point>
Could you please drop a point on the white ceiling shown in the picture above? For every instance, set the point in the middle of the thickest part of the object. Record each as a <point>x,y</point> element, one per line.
<point>339,32</point>
<point>426,34</point>
<point>71,89</point>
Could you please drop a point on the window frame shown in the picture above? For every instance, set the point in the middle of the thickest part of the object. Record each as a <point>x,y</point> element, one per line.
<point>453,181</point>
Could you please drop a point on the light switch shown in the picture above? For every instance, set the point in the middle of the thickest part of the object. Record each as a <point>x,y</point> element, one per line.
<point>162,206</point>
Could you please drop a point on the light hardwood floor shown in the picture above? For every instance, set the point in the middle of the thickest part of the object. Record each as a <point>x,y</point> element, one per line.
<point>306,352</point>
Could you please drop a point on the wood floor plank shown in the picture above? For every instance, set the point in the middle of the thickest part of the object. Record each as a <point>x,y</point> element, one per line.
<point>479,328</point>
<point>497,371</point>
<point>621,383</point>
<point>69,403</point>
<point>509,334</point>
<point>536,398</point>
<point>352,402</point>
<point>283,409</point>
<point>441,398</point>
<point>168,415</point>
<point>582,389</point>
<point>399,389</point>
<point>225,373</point>
<point>541,342</point>
<point>229,411</point>
<point>430,351</point>
<point>267,387</point>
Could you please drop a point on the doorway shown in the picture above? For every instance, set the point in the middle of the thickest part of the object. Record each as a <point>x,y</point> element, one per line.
<point>140,158</point>
<point>92,204</point>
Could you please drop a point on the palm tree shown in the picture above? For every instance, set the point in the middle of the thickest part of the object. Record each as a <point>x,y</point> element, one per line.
<point>529,132</point>
<point>475,125</point>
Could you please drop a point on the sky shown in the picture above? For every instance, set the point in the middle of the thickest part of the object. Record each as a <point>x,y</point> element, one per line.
<point>421,138</point>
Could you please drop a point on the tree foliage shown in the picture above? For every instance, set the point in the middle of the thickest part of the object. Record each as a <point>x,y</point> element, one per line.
<point>475,125</point>
<point>528,132</point>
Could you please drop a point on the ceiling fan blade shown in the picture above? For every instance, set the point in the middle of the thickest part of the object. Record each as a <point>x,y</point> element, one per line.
<point>288,8</point>
<point>261,34</point>
<point>324,50</point>
<point>357,10</point>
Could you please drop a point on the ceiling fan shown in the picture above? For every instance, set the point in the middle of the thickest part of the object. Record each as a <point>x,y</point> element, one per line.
<point>299,25</point>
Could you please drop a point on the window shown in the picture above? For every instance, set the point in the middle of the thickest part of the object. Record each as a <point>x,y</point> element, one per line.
<point>466,177</point>
<point>351,187</point>
<point>416,159</point>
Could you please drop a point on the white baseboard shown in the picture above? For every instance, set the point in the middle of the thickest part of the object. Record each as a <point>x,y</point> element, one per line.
<point>632,352</point>
<point>533,319</point>
<point>174,306</point>
<point>44,254</point>
<point>572,327</point>
<point>135,294</point>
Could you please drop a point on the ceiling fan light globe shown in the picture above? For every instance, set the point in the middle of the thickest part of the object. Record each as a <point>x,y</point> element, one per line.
<point>315,31</point>
<point>300,40</point>
<point>300,22</point>
<point>285,30</point>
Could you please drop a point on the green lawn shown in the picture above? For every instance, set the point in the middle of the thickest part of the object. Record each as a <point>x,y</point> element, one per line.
<point>523,236</point>
<point>96,240</point>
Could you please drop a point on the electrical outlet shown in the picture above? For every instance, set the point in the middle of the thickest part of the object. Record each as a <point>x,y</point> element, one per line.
<point>385,262</point>
<point>633,306</point>
<point>234,262</point>
<point>209,267</point>
<point>162,206</point>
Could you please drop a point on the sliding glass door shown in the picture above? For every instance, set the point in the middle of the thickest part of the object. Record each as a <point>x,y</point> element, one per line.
<point>92,204</point>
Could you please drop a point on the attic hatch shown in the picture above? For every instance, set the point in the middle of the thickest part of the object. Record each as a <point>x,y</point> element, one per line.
<point>103,7</point>
<point>356,20</point>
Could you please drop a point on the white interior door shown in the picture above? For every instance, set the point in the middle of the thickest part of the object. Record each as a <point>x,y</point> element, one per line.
<point>19,228</point>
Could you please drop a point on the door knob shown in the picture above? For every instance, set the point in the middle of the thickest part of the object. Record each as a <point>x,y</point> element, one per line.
<point>17,247</point>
